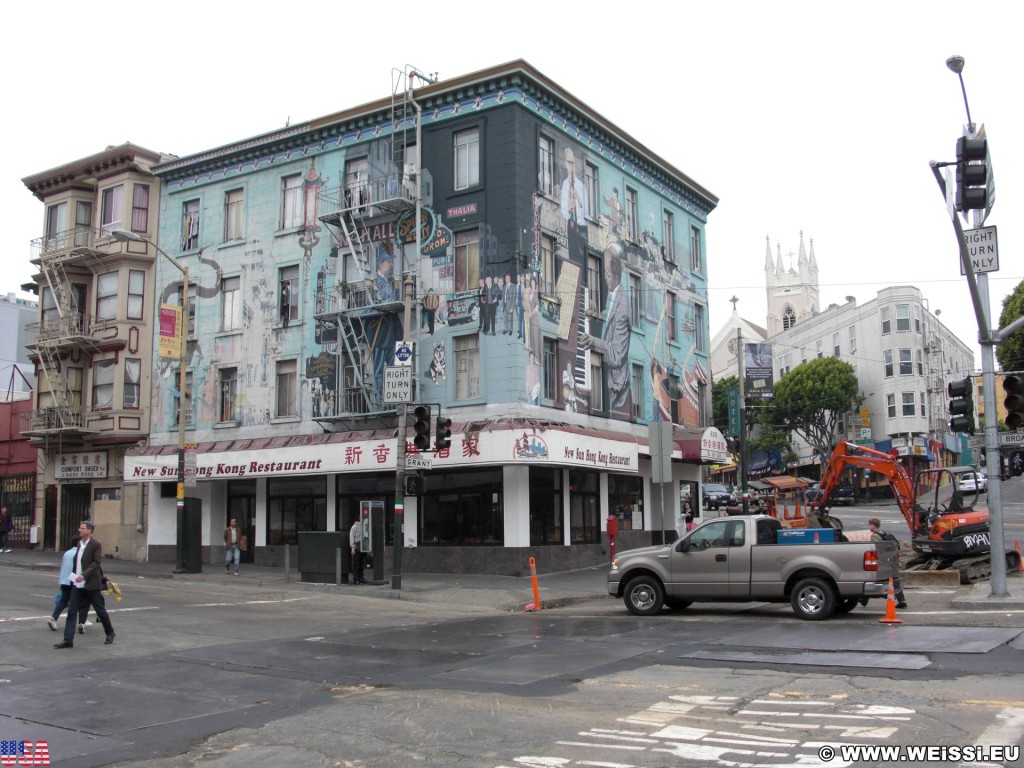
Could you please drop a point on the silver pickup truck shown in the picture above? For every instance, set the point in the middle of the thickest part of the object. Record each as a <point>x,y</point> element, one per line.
<point>741,559</point>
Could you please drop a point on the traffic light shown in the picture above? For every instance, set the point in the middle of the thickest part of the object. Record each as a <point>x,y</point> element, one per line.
<point>443,435</point>
<point>1014,401</point>
<point>961,406</point>
<point>415,485</point>
<point>971,174</point>
<point>421,427</point>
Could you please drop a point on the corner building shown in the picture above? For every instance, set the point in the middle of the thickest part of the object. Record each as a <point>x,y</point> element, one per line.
<point>549,271</point>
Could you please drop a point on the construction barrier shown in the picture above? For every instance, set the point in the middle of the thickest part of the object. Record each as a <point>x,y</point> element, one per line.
<point>535,605</point>
<point>890,607</point>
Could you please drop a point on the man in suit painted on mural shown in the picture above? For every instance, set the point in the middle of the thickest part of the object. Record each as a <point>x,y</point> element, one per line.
<point>613,345</point>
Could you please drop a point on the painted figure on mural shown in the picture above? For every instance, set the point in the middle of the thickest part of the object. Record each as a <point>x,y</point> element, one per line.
<point>531,302</point>
<point>614,342</point>
<point>575,209</point>
<point>509,297</point>
<point>428,311</point>
<point>385,329</point>
<point>494,288</point>
<point>481,296</point>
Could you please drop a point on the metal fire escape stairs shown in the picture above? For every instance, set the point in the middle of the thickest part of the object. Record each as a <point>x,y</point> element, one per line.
<point>360,309</point>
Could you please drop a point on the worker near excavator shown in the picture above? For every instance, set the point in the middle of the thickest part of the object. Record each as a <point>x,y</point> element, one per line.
<point>877,534</point>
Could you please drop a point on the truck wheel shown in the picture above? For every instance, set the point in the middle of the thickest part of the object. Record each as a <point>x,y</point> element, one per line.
<point>644,596</point>
<point>813,599</point>
<point>846,604</point>
<point>675,604</point>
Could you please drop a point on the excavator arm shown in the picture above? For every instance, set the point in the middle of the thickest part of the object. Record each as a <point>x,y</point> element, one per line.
<point>847,454</point>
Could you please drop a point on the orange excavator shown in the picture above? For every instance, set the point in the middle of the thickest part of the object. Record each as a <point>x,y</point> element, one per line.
<point>947,531</point>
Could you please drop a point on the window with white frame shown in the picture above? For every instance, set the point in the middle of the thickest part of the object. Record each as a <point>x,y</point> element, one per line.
<point>674,386</point>
<point>923,401</point>
<point>549,367</point>
<point>547,263</point>
<point>357,182</point>
<point>917,318</point>
<point>227,388</point>
<point>287,388</point>
<point>890,405</point>
<point>886,321</point>
<point>788,318</point>
<point>590,182</point>
<point>909,404</point>
<point>668,235</point>
<point>288,290</point>
<point>902,317</point>
<point>467,366</point>
<point>467,158</point>
<point>670,315</point>
<point>696,261</point>
<point>189,225</point>
<point>636,390</point>
<point>835,344</point>
<point>103,385</point>
<point>818,351</point>
<point>234,215</point>
<point>291,201</point>
<point>111,208</point>
<point>634,300</point>
<point>74,383</point>
<point>853,339</point>
<point>887,363</point>
<point>231,303</point>
<point>594,303</point>
<point>906,362</point>
<point>191,308</point>
<point>920,362</point>
<point>56,221</point>
<point>467,260</point>
<point>136,293</point>
<point>546,165</point>
<point>632,215</point>
<point>140,208</point>
<point>596,382</point>
<point>106,296</point>
<point>700,341</point>
<point>132,381</point>
<point>83,223</point>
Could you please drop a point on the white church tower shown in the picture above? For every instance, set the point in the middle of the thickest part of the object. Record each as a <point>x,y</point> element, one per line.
<point>793,291</point>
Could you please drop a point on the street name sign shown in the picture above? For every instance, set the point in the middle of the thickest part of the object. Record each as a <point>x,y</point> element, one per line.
<point>1011,438</point>
<point>397,384</point>
<point>415,461</point>
<point>975,442</point>
<point>983,249</point>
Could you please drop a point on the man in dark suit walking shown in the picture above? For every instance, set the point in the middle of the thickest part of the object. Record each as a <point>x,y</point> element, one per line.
<point>86,585</point>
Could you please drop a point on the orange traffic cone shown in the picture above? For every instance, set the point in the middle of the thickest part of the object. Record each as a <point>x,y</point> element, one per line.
<point>890,608</point>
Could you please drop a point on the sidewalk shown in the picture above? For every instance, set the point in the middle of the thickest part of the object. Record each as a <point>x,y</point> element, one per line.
<point>503,593</point>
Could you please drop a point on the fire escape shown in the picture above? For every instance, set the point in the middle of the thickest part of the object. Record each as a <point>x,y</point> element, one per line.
<point>64,331</point>
<point>372,218</point>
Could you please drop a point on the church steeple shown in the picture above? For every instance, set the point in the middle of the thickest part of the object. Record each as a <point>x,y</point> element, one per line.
<point>769,267</point>
<point>813,263</point>
<point>801,264</point>
<point>779,268</point>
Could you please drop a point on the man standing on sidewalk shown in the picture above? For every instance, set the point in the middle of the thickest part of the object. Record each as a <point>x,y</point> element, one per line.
<point>86,586</point>
<point>234,545</point>
<point>355,543</point>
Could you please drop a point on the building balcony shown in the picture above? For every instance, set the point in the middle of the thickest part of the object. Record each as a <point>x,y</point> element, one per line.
<point>72,245</point>
<point>381,196</point>
<point>70,422</point>
<point>56,332</point>
<point>363,298</point>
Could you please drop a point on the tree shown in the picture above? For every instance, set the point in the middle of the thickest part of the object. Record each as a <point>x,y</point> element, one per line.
<point>720,404</point>
<point>767,436</point>
<point>1010,352</point>
<point>810,400</point>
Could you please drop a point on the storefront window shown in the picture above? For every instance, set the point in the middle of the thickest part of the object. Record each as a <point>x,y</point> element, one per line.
<point>463,509</point>
<point>545,506</point>
<point>352,490</point>
<point>626,500</point>
<point>584,507</point>
<point>295,504</point>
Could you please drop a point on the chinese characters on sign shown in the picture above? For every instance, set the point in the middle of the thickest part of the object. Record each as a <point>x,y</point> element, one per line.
<point>76,466</point>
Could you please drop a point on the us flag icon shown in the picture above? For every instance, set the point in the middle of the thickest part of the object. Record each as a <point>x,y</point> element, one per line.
<point>24,753</point>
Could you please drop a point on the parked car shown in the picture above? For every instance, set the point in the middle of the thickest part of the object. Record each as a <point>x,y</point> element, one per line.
<point>844,495</point>
<point>973,482</point>
<point>715,496</point>
<point>740,559</point>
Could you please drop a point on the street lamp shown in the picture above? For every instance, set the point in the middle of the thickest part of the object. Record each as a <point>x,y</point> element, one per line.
<point>124,236</point>
<point>956,64</point>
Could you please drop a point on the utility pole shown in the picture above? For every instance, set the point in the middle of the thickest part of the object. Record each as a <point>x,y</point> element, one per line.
<point>740,352</point>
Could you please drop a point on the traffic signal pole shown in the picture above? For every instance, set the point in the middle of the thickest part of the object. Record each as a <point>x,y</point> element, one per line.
<point>987,339</point>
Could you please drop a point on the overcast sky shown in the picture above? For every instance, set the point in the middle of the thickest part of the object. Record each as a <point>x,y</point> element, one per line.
<point>817,116</point>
